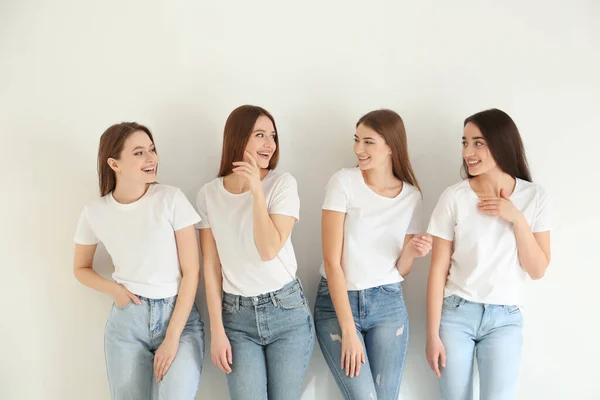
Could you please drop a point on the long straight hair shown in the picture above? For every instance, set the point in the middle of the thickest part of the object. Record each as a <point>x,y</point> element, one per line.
<point>111,146</point>
<point>390,126</point>
<point>236,135</point>
<point>504,141</point>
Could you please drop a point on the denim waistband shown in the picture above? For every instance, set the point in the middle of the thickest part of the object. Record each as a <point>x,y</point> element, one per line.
<point>260,299</point>
<point>166,300</point>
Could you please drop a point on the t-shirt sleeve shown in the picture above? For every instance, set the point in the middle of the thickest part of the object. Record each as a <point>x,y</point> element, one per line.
<point>183,214</point>
<point>84,233</point>
<point>201,208</point>
<point>336,198</point>
<point>443,218</point>
<point>415,223</point>
<point>542,221</point>
<point>285,199</point>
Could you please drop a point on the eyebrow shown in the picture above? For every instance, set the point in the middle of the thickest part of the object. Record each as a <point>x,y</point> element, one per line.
<point>142,147</point>
<point>475,138</point>
<point>263,131</point>
<point>365,138</point>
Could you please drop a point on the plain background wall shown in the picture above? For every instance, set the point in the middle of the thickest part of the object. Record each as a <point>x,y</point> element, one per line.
<point>69,69</point>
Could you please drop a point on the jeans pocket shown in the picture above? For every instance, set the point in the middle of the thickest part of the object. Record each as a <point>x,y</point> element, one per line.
<point>391,288</point>
<point>227,308</point>
<point>323,289</point>
<point>512,309</point>
<point>125,307</point>
<point>290,301</point>
<point>452,302</point>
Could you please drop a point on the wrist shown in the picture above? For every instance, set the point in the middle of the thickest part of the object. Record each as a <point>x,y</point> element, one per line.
<point>519,219</point>
<point>172,336</point>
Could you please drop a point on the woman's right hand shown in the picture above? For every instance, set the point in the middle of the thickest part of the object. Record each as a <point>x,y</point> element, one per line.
<point>122,296</point>
<point>353,353</point>
<point>436,354</point>
<point>220,352</point>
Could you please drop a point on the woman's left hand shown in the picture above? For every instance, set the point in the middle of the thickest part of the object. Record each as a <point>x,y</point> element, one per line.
<point>500,206</point>
<point>249,169</point>
<point>164,356</point>
<point>419,246</point>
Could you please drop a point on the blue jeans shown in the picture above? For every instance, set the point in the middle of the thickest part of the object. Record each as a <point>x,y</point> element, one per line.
<point>493,334</point>
<point>382,325</point>
<point>272,340</point>
<point>133,334</point>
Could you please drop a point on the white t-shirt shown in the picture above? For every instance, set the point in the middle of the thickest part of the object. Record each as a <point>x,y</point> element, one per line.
<point>231,220</point>
<point>140,238</point>
<point>374,228</point>
<point>485,265</point>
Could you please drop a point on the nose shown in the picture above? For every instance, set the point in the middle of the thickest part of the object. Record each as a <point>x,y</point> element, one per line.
<point>468,150</point>
<point>270,142</point>
<point>358,147</point>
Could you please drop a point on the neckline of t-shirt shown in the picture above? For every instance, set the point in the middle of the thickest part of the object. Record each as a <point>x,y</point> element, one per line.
<point>135,203</point>
<point>362,180</point>
<point>246,193</point>
<point>517,186</point>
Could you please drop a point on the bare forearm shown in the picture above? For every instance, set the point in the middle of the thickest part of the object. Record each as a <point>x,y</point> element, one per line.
<point>436,284</point>
<point>339,296</point>
<point>404,263</point>
<point>213,282</point>
<point>531,256</point>
<point>183,305</point>
<point>266,236</point>
<point>91,279</point>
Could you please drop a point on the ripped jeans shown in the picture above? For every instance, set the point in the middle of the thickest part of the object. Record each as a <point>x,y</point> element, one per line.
<point>381,322</point>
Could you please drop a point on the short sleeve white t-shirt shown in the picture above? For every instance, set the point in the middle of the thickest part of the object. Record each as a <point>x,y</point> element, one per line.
<point>374,228</point>
<point>140,238</point>
<point>230,218</point>
<point>485,265</point>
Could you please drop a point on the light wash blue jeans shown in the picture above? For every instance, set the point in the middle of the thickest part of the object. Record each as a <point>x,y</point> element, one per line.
<point>381,322</point>
<point>493,334</point>
<point>133,334</point>
<point>272,340</point>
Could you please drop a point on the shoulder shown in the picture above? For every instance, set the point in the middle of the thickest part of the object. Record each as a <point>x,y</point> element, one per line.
<point>279,178</point>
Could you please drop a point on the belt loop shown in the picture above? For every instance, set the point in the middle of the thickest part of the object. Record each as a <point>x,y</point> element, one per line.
<point>300,284</point>
<point>237,303</point>
<point>273,299</point>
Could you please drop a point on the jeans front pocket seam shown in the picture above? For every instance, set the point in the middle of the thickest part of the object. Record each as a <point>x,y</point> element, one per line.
<point>124,308</point>
<point>293,306</point>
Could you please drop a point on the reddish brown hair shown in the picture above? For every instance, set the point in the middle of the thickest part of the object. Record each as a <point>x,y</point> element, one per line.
<point>390,126</point>
<point>111,146</point>
<point>237,132</point>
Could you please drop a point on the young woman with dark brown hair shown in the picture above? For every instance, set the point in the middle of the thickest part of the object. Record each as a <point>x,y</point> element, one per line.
<point>491,234</point>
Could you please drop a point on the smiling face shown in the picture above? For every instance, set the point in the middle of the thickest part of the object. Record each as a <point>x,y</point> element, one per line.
<point>370,148</point>
<point>476,153</point>
<point>262,141</point>
<point>138,160</point>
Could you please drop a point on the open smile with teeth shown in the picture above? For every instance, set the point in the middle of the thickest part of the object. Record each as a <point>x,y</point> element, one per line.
<point>473,163</point>
<point>264,154</point>
<point>363,159</point>
<point>149,170</point>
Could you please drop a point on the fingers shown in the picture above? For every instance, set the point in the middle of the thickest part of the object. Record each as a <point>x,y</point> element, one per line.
<point>433,364</point>
<point>250,158</point>
<point>222,360</point>
<point>163,368</point>
<point>134,298</point>
<point>229,355</point>
<point>225,362</point>
<point>443,357</point>
<point>352,365</point>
